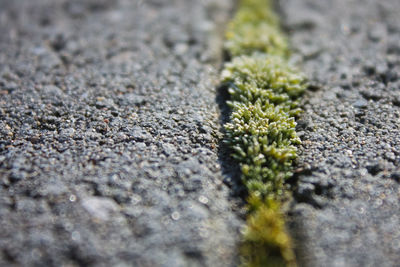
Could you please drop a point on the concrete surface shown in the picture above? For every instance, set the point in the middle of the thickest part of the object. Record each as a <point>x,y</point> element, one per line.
<point>110,128</point>
<point>347,196</point>
<point>109,132</point>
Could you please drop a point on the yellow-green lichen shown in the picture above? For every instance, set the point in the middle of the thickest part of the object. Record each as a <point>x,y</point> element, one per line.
<point>264,89</point>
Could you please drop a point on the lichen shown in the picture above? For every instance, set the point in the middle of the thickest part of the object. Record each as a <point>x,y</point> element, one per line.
<point>264,90</point>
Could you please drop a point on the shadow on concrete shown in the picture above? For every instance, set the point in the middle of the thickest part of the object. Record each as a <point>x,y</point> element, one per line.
<point>230,167</point>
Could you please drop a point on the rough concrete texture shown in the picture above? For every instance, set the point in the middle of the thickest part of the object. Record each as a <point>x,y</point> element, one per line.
<point>109,134</point>
<point>347,196</point>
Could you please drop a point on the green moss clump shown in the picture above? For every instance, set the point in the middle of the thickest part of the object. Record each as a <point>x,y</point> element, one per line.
<point>245,40</point>
<point>266,242</point>
<point>263,139</point>
<point>255,28</point>
<point>264,91</point>
<point>266,72</point>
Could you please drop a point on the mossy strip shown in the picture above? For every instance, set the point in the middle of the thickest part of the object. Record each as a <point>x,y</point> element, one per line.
<point>264,89</point>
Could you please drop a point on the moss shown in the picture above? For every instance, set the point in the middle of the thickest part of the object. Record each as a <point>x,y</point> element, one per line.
<point>265,72</point>
<point>266,242</point>
<point>255,28</point>
<point>245,40</point>
<point>264,91</point>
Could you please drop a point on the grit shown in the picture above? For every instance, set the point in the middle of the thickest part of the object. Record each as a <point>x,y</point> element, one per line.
<point>110,130</point>
<point>346,208</point>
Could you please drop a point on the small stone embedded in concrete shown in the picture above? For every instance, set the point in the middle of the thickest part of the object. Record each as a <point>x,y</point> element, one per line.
<point>175,216</point>
<point>203,200</point>
<point>100,208</point>
<point>361,103</point>
<point>72,198</point>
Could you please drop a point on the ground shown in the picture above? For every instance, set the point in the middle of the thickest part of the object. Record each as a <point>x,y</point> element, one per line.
<point>109,135</point>
<point>346,208</point>
<point>110,128</point>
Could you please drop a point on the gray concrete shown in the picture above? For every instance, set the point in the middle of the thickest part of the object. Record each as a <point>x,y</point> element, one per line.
<point>347,196</point>
<point>110,127</point>
<point>109,134</point>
